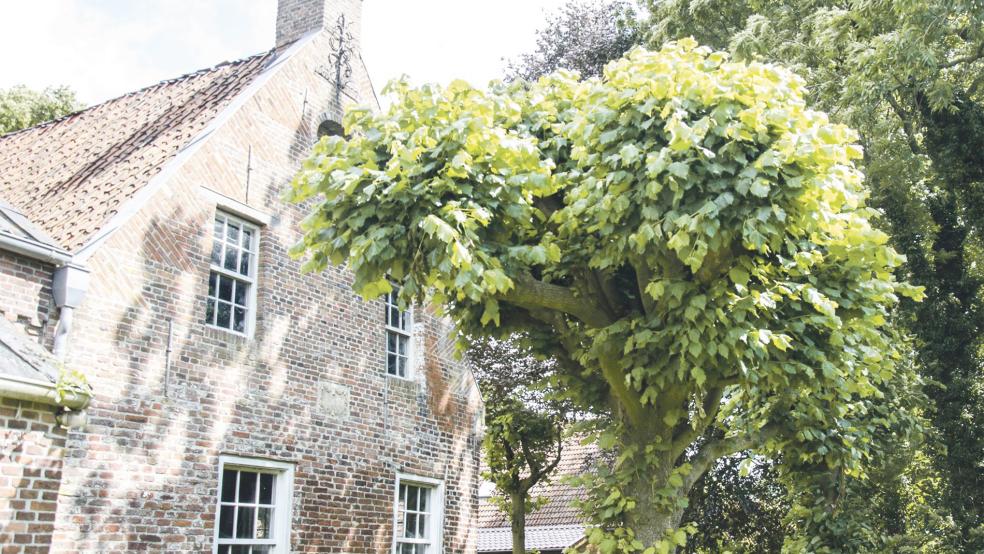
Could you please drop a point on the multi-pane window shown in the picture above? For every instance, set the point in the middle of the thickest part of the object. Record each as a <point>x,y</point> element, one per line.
<point>415,520</point>
<point>398,325</point>
<point>253,510</point>
<point>232,276</point>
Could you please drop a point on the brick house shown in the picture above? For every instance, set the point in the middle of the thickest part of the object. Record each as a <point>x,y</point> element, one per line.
<point>233,403</point>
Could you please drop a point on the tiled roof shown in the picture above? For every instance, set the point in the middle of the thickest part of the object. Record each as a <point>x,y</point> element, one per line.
<point>71,175</point>
<point>575,459</point>
<point>549,537</point>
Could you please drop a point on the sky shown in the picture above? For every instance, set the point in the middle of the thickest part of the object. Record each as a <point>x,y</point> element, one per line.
<point>105,48</point>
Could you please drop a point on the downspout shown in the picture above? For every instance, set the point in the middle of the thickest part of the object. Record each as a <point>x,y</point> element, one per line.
<point>68,289</point>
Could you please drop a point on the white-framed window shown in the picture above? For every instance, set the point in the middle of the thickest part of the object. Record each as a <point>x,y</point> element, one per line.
<point>418,517</point>
<point>231,301</point>
<point>254,505</point>
<point>399,325</point>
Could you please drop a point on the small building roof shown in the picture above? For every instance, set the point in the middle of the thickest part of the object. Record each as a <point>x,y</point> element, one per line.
<point>71,175</point>
<point>22,358</point>
<point>546,537</point>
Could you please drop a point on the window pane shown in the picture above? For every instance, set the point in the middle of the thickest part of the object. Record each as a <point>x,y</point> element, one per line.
<point>403,341</point>
<point>410,528</point>
<point>394,317</point>
<point>218,228</point>
<point>212,278</point>
<point>266,488</point>
<point>229,485</point>
<point>240,549</point>
<point>391,366</point>
<point>422,549</point>
<point>244,523</point>
<point>247,487</point>
<point>239,320</point>
<point>230,258</point>
<point>401,366</point>
<point>263,519</point>
<point>216,252</point>
<point>262,549</point>
<point>224,314</point>
<point>403,496</point>
<point>412,497</point>
<point>406,549</point>
<point>247,239</point>
<point>233,231</point>
<point>424,495</point>
<point>241,289</point>
<point>391,342</point>
<point>244,264</point>
<point>225,288</point>
<point>226,521</point>
<point>421,525</point>
<point>210,311</point>
<point>223,549</point>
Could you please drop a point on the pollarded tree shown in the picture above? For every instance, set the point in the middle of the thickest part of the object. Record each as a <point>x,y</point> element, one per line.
<point>682,235</point>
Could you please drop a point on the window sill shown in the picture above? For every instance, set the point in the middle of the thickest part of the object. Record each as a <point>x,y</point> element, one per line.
<point>229,335</point>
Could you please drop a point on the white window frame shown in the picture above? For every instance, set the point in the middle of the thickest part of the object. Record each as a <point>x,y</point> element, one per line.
<point>436,529</point>
<point>407,333</point>
<point>282,501</point>
<point>249,279</point>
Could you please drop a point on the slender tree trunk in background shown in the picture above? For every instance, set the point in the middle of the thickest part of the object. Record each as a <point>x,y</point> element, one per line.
<point>517,520</point>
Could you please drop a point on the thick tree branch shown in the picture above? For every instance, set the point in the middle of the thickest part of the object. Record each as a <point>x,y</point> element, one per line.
<point>716,449</point>
<point>709,410</point>
<point>644,276</point>
<point>627,400</point>
<point>530,293</point>
<point>906,124</point>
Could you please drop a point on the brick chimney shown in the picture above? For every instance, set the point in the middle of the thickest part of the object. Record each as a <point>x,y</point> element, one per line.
<point>296,18</point>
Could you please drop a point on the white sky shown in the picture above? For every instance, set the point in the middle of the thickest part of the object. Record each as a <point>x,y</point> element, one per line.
<point>104,48</point>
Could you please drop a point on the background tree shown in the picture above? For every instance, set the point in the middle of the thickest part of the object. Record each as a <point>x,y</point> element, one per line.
<point>21,107</point>
<point>908,76</point>
<point>524,428</point>
<point>580,36</point>
<point>683,237</point>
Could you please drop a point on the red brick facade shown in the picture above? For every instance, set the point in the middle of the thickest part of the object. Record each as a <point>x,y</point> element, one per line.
<point>309,386</point>
<point>25,294</point>
<point>31,447</point>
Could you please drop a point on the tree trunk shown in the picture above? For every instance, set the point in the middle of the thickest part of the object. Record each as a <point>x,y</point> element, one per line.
<point>649,521</point>
<point>517,520</point>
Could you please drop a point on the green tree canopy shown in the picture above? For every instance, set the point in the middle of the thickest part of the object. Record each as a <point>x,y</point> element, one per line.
<point>907,75</point>
<point>683,235</point>
<point>21,107</point>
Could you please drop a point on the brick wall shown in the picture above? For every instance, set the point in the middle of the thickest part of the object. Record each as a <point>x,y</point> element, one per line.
<point>25,294</point>
<point>142,476</point>
<point>31,446</point>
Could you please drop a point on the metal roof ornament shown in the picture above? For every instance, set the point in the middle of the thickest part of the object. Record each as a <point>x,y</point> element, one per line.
<point>338,70</point>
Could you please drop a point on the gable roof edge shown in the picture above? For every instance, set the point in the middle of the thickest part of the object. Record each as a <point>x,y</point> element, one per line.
<point>157,182</point>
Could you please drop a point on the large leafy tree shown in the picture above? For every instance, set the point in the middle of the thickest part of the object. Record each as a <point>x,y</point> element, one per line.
<point>683,236</point>
<point>524,426</point>
<point>22,107</point>
<point>908,76</point>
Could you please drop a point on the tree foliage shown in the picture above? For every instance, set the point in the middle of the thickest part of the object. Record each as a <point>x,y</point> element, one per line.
<point>908,76</point>
<point>580,36</point>
<point>21,107</point>
<point>524,428</point>
<point>684,236</point>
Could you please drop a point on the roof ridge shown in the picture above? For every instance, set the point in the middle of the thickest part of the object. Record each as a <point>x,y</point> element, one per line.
<point>164,82</point>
